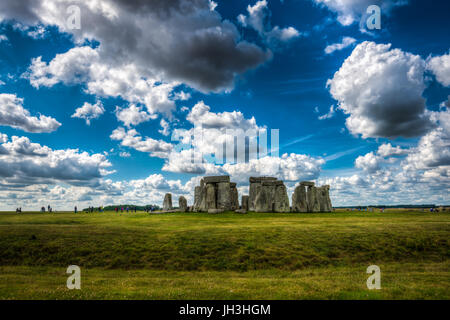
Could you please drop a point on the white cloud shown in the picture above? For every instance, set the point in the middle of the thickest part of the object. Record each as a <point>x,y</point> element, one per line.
<point>28,163</point>
<point>440,67</point>
<point>201,116</point>
<point>387,150</point>
<point>132,115</point>
<point>164,127</point>
<point>346,42</point>
<point>257,18</point>
<point>124,155</point>
<point>84,65</point>
<point>328,115</point>
<point>13,114</point>
<point>349,11</point>
<point>89,111</point>
<point>381,89</point>
<point>132,139</point>
<point>369,162</point>
<point>166,41</point>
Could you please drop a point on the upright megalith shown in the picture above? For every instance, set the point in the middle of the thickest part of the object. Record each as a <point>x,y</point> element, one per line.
<point>223,196</point>
<point>167,204</point>
<point>216,194</point>
<point>234,196</point>
<point>281,201</point>
<point>255,186</point>
<point>299,203</point>
<point>311,199</point>
<point>270,195</point>
<point>182,204</point>
<point>210,196</point>
<point>244,203</point>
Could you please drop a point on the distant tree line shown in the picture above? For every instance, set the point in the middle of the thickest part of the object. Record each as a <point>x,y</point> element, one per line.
<point>130,206</point>
<point>392,206</point>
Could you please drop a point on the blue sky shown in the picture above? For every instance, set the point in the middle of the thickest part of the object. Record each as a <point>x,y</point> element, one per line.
<point>365,111</point>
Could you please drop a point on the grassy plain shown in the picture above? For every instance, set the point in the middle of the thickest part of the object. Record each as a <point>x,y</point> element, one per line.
<point>225,256</point>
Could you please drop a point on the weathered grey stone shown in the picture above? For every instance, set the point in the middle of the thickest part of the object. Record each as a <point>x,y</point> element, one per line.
<point>197,196</point>
<point>167,204</point>
<point>182,204</point>
<point>242,211</point>
<point>264,201</point>
<point>281,199</point>
<point>224,196</point>
<point>216,179</point>
<point>260,179</point>
<point>312,199</point>
<point>234,196</point>
<point>210,196</point>
<point>307,183</point>
<point>255,183</point>
<point>299,199</point>
<point>324,198</point>
<point>244,203</point>
<point>215,210</point>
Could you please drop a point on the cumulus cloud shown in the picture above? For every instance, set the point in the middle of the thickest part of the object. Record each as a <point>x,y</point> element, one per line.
<point>349,11</point>
<point>174,41</point>
<point>381,90</point>
<point>394,175</point>
<point>387,150</point>
<point>164,127</point>
<point>28,163</point>
<point>13,114</point>
<point>84,65</point>
<point>257,18</point>
<point>132,115</point>
<point>369,162</point>
<point>200,115</point>
<point>346,42</point>
<point>132,139</point>
<point>440,67</point>
<point>89,112</point>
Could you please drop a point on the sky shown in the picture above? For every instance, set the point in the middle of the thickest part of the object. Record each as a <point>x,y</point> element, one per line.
<point>100,100</point>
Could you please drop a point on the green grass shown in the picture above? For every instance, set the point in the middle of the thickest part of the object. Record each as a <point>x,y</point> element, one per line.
<point>203,256</point>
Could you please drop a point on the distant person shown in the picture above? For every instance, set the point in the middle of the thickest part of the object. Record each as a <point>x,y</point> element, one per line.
<point>135,209</point>
<point>76,209</point>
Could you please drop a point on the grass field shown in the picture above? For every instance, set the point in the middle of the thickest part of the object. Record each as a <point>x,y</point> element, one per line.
<point>225,256</point>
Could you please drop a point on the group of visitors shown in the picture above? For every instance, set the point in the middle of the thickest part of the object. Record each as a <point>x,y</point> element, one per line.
<point>127,209</point>
<point>49,209</point>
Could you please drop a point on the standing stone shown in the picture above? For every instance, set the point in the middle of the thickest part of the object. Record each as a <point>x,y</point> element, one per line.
<point>299,199</point>
<point>255,184</point>
<point>234,196</point>
<point>244,203</point>
<point>281,201</point>
<point>224,196</point>
<point>182,204</point>
<point>167,204</point>
<point>313,203</point>
<point>197,195</point>
<point>210,196</point>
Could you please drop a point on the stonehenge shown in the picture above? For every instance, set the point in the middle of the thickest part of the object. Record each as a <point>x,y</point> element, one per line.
<point>270,195</point>
<point>182,204</point>
<point>217,194</point>
<point>309,198</point>
<point>167,204</point>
